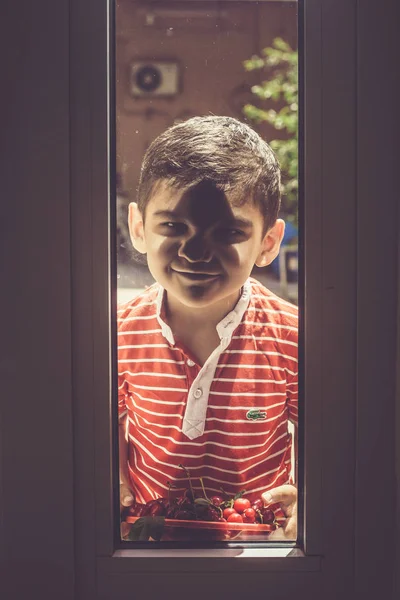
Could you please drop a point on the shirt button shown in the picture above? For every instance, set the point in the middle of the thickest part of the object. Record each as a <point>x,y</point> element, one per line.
<point>198,393</point>
<point>190,363</point>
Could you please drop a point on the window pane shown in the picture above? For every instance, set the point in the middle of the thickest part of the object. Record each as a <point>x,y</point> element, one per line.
<point>207,269</point>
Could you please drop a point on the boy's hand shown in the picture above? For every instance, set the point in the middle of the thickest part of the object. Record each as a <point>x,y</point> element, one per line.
<point>286,497</point>
<point>126,498</point>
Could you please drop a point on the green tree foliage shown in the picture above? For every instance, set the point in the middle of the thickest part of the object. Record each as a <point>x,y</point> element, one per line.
<point>278,105</point>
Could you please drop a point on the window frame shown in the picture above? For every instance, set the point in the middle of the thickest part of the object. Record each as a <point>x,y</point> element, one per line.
<point>330,312</point>
<point>65,182</point>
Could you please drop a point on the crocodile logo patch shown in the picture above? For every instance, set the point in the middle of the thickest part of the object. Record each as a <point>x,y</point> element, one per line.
<point>256,414</point>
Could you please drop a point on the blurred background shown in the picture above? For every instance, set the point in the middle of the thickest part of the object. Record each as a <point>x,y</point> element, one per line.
<point>175,60</point>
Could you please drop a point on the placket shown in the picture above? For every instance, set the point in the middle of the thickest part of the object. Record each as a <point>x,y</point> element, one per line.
<point>197,401</point>
<point>194,419</point>
<point>192,369</point>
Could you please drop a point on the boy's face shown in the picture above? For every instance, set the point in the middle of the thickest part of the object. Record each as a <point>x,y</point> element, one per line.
<point>200,247</point>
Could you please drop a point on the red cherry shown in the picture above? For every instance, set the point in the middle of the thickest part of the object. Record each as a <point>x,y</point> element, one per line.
<point>157,510</point>
<point>249,515</point>
<point>217,500</point>
<point>258,504</point>
<point>184,515</point>
<point>154,508</point>
<point>188,495</point>
<point>185,503</point>
<point>227,512</point>
<point>211,515</point>
<point>241,504</point>
<point>172,509</point>
<point>137,510</point>
<point>201,512</point>
<point>235,518</point>
<point>268,516</point>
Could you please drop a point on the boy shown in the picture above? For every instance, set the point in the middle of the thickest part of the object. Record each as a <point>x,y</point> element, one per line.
<point>208,356</point>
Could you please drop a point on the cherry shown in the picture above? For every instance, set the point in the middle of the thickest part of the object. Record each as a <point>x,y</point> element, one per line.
<point>217,500</point>
<point>157,510</point>
<point>184,515</point>
<point>184,503</point>
<point>137,510</point>
<point>188,495</point>
<point>235,518</point>
<point>171,511</point>
<point>153,508</point>
<point>268,516</point>
<point>219,507</point>
<point>258,504</point>
<point>201,512</point>
<point>240,504</point>
<point>212,515</point>
<point>249,515</point>
<point>227,512</point>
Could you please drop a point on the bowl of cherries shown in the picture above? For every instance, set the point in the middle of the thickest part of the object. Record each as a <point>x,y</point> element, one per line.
<point>209,518</point>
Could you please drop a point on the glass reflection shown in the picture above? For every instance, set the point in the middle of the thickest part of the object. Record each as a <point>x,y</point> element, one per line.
<point>207,322</point>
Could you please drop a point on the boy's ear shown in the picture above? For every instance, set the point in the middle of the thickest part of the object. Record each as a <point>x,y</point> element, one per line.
<point>271,244</point>
<point>136,229</point>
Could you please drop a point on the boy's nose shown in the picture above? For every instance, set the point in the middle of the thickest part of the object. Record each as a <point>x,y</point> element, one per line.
<point>195,249</point>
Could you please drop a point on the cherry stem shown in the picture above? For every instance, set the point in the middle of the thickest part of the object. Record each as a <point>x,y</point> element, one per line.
<point>204,491</point>
<point>188,476</point>
<point>169,492</point>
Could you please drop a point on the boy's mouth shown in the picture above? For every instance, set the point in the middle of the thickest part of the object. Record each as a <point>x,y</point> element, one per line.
<point>196,276</point>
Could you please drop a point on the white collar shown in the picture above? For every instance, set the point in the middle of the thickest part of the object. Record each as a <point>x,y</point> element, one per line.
<point>225,328</point>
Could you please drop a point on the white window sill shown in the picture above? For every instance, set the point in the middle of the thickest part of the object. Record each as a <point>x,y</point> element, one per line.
<point>207,560</point>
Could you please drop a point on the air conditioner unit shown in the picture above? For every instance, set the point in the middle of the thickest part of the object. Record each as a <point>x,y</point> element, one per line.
<point>154,78</point>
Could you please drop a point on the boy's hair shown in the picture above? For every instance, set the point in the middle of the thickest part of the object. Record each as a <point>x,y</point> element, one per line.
<point>218,149</point>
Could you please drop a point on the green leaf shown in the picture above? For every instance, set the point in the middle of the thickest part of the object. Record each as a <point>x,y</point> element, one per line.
<point>147,527</point>
<point>202,502</point>
<point>239,494</point>
<point>255,62</point>
<point>276,97</point>
<point>280,44</point>
<point>227,504</point>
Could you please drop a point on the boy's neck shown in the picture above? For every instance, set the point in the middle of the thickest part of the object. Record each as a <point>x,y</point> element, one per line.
<point>206,317</point>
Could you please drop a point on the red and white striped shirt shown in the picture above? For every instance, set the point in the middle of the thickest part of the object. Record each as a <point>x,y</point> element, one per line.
<point>227,421</point>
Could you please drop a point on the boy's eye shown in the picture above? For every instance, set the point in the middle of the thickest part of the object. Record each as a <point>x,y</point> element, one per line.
<point>231,235</point>
<point>172,227</point>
